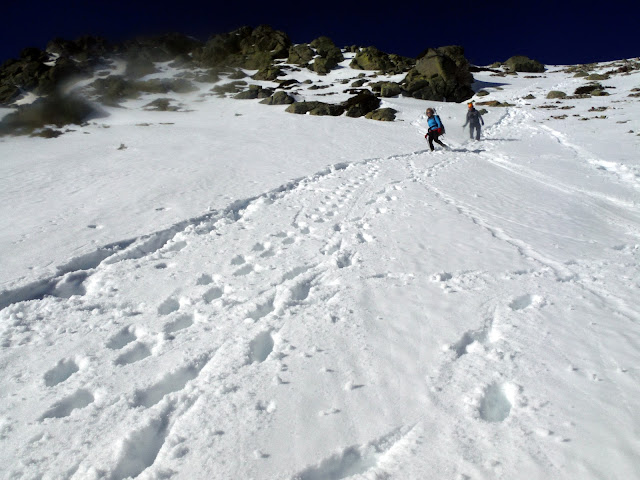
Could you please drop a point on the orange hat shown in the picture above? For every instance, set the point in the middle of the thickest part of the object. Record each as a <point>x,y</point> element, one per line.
<point>470,105</point>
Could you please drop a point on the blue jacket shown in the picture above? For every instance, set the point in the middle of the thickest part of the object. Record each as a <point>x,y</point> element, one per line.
<point>434,122</point>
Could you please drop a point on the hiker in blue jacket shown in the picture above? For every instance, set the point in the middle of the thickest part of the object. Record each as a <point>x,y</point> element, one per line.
<point>473,119</point>
<point>435,129</point>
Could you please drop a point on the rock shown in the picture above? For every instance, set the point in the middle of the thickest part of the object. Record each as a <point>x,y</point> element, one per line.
<point>323,65</point>
<point>82,49</point>
<point>327,109</point>
<point>254,91</point>
<point>182,61</point>
<point>162,105</point>
<point>359,83</point>
<point>55,110</point>
<point>286,84</point>
<point>361,104</point>
<point>386,89</point>
<point>493,103</point>
<point>330,55</point>
<point>370,58</point>
<point>521,63</point>
<point>301,108</point>
<point>440,74</point>
<point>482,93</point>
<point>237,75</point>
<point>529,97</point>
<point>382,114</point>
<point>269,73</point>
<point>597,76</point>
<point>278,98</point>
<point>588,89</point>
<point>232,87</point>
<point>315,108</point>
<point>300,54</point>
<point>246,47</point>
<point>556,94</point>
<point>139,66</point>
<point>323,45</point>
<point>210,76</point>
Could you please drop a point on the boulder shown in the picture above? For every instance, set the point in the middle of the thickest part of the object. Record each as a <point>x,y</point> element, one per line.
<point>301,108</point>
<point>520,63</point>
<point>162,105</point>
<point>387,89</point>
<point>327,109</point>
<point>55,110</point>
<point>588,89</point>
<point>370,58</point>
<point>556,94</point>
<point>254,91</point>
<point>269,73</point>
<point>323,45</point>
<point>139,66</point>
<point>361,104</point>
<point>382,115</point>
<point>440,74</point>
<point>315,108</point>
<point>231,87</point>
<point>82,49</point>
<point>278,98</point>
<point>246,47</point>
<point>300,54</point>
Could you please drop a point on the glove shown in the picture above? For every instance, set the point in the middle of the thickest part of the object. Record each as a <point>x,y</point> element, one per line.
<point>426,135</point>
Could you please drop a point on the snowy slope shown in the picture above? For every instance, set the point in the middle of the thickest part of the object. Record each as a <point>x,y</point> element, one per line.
<point>247,293</point>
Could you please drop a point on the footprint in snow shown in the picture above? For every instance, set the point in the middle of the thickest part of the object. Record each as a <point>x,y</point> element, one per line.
<point>136,353</point>
<point>496,402</point>
<point>170,305</point>
<point>204,279</point>
<point>526,301</point>
<point>63,408</point>
<point>180,323</point>
<point>61,372</point>
<point>121,339</point>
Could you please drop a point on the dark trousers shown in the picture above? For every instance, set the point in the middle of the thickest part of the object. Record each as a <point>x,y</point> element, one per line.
<point>432,136</point>
<point>477,128</point>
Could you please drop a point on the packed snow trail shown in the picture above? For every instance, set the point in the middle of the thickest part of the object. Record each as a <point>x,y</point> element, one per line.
<point>402,316</point>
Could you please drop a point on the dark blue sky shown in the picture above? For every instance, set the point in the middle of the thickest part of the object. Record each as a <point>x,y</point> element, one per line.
<point>554,32</point>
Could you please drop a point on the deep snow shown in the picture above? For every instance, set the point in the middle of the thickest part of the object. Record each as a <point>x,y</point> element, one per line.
<point>247,293</point>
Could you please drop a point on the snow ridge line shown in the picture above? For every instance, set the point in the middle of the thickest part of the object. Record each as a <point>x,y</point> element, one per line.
<point>139,247</point>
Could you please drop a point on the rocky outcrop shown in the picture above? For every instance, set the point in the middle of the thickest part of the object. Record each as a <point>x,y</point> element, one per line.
<point>315,108</point>
<point>254,91</point>
<point>329,55</point>
<point>370,58</point>
<point>361,104</point>
<point>300,54</point>
<point>382,115</point>
<point>270,73</point>
<point>386,89</point>
<point>520,63</point>
<point>440,74</point>
<point>246,47</point>
<point>34,71</point>
<point>556,94</point>
<point>116,88</point>
<point>55,110</point>
<point>278,98</point>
